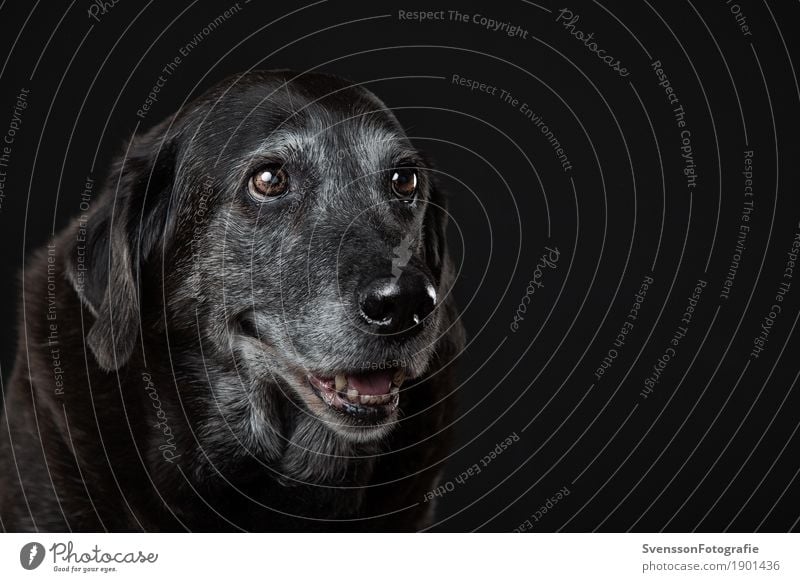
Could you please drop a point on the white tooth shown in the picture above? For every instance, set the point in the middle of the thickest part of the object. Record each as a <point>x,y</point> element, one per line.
<point>395,391</point>
<point>352,395</point>
<point>399,377</point>
<point>382,399</point>
<point>341,381</point>
<point>367,399</point>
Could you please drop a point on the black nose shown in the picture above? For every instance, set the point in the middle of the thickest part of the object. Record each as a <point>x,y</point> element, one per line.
<point>392,305</point>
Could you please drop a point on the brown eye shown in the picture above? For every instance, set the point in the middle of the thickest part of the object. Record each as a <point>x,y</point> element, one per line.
<point>268,182</point>
<point>404,182</point>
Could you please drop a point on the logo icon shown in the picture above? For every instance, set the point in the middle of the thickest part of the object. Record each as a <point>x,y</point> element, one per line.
<point>31,555</point>
<point>401,255</point>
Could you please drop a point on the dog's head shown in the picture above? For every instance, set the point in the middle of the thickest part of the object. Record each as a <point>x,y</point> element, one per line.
<point>291,227</point>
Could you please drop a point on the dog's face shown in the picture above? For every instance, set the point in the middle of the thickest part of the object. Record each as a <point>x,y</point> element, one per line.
<point>302,234</point>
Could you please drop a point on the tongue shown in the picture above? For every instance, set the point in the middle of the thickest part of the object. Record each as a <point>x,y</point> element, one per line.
<point>372,383</point>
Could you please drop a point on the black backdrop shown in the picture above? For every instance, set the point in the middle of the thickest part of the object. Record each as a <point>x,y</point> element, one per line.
<point>709,442</point>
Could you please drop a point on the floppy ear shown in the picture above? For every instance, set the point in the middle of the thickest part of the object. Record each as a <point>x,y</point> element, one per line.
<point>434,227</point>
<point>118,237</point>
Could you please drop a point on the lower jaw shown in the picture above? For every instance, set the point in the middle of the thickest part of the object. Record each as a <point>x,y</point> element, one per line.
<point>366,415</point>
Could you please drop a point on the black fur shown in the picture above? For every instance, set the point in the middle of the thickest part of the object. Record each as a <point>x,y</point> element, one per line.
<point>183,314</point>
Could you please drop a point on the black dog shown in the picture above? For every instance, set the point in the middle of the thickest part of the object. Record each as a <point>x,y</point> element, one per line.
<point>253,328</point>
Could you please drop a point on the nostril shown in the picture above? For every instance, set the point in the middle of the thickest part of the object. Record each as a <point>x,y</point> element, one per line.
<point>378,304</point>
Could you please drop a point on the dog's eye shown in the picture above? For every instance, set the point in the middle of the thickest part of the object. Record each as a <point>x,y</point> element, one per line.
<point>404,182</point>
<point>268,182</point>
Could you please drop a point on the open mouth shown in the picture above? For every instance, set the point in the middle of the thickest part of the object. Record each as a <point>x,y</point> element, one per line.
<point>366,396</point>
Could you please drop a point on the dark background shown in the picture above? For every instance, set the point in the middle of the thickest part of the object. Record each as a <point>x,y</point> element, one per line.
<point>714,447</point>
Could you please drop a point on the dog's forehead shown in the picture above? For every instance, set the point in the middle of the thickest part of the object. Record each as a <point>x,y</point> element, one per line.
<point>326,124</point>
<point>347,141</point>
<point>320,111</point>
<point>324,137</point>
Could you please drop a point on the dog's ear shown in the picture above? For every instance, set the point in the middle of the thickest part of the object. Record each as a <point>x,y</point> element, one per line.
<point>117,238</point>
<point>434,227</point>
